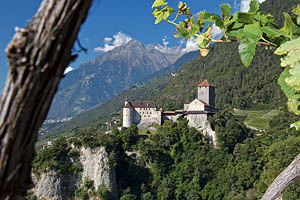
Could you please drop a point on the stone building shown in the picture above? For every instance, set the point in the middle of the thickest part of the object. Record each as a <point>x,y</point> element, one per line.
<point>144,113</point>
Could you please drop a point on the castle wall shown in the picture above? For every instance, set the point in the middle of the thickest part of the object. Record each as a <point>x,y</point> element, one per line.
<point>207,94</point>
<point>196,105</point>
<point>185,107</point>
<point>146,116</point>
<point>127,117</point>
<point>211,97</point>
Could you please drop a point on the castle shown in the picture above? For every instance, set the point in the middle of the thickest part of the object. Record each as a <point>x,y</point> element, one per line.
<point>145,113</point>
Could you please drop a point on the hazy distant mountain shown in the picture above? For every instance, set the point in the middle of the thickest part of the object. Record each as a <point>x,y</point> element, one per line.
<point>106,76</point>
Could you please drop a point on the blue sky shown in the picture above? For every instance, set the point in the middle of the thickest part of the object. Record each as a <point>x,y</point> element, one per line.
<point>109,24</point>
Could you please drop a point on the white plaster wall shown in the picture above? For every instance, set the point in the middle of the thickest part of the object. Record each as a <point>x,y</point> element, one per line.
<point>196,105</point>
<point>185,107</point>
<point>127,118</point>
<point>148,117</point>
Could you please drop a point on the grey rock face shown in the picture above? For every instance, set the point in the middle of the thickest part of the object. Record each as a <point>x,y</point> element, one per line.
<point>96,167</point>
<point>54,186</point>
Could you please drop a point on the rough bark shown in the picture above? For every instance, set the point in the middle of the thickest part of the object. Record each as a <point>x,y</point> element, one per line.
<point>282,181</point>
<point>37,55</point>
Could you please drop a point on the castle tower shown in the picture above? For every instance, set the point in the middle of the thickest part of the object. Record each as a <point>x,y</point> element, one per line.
<point>127,114</point>
<point>206,93</point>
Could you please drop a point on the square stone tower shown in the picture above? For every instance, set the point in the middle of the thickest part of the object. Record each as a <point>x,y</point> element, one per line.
<point>206,93</point>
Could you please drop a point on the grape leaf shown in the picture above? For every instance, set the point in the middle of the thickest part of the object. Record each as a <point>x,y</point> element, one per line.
<point>254,6</point>
<point>158,3</point>
<point>294,79</point>
<point>291,74</point>
<point>293,98</point>
<point>212,17</point>
<point>246,18</point>
<point>289,27</point>
<point>296,125</point>
<point>225,9</point>
<point>271,31</point>
<point>296,10</point>
<point>292,49</point>
<point>247,46</point>
<point>247,51</point>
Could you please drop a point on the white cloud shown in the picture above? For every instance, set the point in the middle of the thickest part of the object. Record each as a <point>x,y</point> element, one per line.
<point>165,48</point>
<point>183,47</point>
<point>107,40</point>
<point>244,6</point>
<point>216,32</point>
<point>190,45</point>
<point>68,69</point>
<point>118,39</point>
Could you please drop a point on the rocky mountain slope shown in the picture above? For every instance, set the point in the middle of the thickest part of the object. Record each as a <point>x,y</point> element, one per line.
<point>106,76</point>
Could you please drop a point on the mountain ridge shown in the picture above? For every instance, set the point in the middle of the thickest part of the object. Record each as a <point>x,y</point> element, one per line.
<point>105,76</point>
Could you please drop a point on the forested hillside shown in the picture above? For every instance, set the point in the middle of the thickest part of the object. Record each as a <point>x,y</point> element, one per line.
<point>252,87</point>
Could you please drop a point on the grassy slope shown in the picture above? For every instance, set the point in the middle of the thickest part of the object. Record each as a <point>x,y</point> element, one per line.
<point>256,118</point>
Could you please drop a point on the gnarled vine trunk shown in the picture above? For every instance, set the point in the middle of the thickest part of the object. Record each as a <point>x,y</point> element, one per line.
<point>282,181</point>
<point>37,55</point>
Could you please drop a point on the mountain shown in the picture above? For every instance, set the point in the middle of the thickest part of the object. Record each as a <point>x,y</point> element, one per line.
<point>106,76</point>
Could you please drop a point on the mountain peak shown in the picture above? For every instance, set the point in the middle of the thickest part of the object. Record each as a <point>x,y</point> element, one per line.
<point>134,43</point>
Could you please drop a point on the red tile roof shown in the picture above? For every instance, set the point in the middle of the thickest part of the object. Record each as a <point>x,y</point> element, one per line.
<point>187,102</point>
<point>206,104</point>
<point>127,105</point>
<point>205,83</point>
<point>140,104</point>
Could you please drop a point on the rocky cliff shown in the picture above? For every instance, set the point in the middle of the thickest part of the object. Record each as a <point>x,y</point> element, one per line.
<point>96,168</point>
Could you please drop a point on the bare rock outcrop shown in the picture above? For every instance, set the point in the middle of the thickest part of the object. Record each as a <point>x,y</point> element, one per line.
<point>96,167</point>
<point>54,186</point>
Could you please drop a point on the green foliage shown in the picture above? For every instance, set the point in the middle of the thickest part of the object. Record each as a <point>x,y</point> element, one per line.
<point>229,130</point>
<point>87,190</point>
<point>128,197</point>
<point>58,157</point>
<point>129,136</point>
<point>290,78</point>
